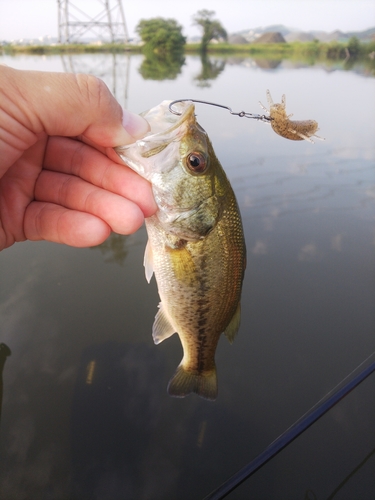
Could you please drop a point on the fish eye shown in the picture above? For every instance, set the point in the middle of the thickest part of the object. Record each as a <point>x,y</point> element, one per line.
<point>196,162</point>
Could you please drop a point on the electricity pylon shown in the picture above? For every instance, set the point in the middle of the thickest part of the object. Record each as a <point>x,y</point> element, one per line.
<point>76,25</point>
<point>113,68</point>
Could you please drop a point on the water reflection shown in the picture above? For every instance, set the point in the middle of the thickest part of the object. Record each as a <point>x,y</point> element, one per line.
<point>308,314</point>
<point>4,353</point>
<point>161,67</point>
<point>351,474</point>
<point>211,69</point>
<point>113,68</point>
<point>113,383</point>
<point>267,63</point>
<point>114,248</point>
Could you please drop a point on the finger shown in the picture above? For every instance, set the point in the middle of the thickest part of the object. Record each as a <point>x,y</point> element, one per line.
<point>17,188</point>
<point>122,215</point>
<point>46,221</point>
<point>73,157</point>
<point>68,105</point>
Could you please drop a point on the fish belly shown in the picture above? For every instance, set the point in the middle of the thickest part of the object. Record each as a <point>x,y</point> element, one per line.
<point>199,284</point>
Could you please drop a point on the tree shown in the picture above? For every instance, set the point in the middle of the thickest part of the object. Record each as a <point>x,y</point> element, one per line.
<point>161,36</point>
<point>212,28</point>
<point>354,46</point>
<point>161,67</point>
<point>210,70</point>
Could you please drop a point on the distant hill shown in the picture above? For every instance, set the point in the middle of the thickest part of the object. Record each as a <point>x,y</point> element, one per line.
<point>293,34</point>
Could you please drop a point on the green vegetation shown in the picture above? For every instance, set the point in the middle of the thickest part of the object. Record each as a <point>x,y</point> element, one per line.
<point>347,54</point>
<point>318,50</point>
<point>212,28</point>
<point>156,67</point>
<point>72,48</point>
<point>163,47</point>
<point>311,52</point>
<point>161,36</point>
<point>114,249</point>
<point>210,70</point>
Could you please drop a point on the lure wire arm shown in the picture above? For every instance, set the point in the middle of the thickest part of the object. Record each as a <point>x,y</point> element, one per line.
<point>241,114</point>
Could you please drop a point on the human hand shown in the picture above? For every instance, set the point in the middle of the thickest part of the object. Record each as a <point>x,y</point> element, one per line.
<point>59,180</point>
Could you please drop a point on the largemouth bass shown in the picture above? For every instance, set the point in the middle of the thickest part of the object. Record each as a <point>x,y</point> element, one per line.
<point>196,245</point>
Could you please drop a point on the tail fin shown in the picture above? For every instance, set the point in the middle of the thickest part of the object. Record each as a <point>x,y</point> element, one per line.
<point>185,382</point>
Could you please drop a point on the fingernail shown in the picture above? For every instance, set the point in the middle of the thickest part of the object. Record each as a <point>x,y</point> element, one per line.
<point>134,124</point>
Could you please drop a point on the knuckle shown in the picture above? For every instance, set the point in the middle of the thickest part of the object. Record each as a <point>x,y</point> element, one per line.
<point>92,88</point>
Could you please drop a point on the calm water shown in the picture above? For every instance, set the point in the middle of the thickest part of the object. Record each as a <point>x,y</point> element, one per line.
<point>85,412</point>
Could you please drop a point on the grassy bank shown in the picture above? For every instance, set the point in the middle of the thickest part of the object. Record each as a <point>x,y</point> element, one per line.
<point>297,50</point>
<point>318,50</point>
<point>70,49</point>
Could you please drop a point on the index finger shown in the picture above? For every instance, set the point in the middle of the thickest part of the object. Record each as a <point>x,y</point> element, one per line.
<point>76,158</point>
<point>68,105</point>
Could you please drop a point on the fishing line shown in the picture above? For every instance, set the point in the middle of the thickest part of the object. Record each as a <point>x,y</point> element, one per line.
<point>349,476</point>
<point>304,422</point>
<point>241,114</point>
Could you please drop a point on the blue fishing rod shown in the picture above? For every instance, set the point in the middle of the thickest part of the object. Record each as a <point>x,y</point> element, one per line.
<point>303,423</point>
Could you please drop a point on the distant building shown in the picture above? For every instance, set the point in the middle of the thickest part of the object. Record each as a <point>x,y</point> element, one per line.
<point>237,39</point>
<point>270,37</point>
<point>299,36</point>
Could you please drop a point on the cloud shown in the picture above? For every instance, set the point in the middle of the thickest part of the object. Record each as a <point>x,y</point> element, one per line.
<point>260,248</point>
<point>336,242</point>
<point>308,253</point>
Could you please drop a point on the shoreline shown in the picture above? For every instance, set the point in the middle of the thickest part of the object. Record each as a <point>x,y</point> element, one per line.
<point>308,52</point>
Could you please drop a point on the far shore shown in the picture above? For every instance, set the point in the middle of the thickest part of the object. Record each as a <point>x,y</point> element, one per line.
<point>307,50</point>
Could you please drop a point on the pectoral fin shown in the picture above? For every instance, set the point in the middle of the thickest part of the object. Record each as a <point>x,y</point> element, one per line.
<point>232,329</point>
<point>148,262</point>
<point>162,328</point>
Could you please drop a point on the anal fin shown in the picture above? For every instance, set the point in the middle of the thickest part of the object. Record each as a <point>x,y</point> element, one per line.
<point>232,329</point>
<point>162,328</point>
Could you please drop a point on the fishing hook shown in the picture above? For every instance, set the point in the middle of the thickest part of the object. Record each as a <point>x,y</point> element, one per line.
<point>241,114</point>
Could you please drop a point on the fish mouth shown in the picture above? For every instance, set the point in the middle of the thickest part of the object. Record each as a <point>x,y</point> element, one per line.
<point>165,128</point>
<point>163,121</point>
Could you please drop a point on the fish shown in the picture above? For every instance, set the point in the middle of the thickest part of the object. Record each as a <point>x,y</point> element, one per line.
<point>196,245</point>
<point>295,130</point>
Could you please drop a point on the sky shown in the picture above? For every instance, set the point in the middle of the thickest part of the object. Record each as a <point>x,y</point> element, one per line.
<point>35,18</point>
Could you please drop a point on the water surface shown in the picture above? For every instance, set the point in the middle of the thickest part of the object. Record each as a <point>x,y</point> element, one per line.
<point>85,412</point>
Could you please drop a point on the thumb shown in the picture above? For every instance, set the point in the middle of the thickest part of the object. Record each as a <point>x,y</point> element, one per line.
<point>73,105</point>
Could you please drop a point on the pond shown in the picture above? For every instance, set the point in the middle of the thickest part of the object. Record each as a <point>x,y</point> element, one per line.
<point>85,412</point>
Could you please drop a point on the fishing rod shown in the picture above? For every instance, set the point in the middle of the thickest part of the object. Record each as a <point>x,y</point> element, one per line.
<point>303,423</point>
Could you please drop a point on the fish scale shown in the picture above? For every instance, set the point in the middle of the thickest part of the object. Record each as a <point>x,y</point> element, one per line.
<point>196,244</point>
